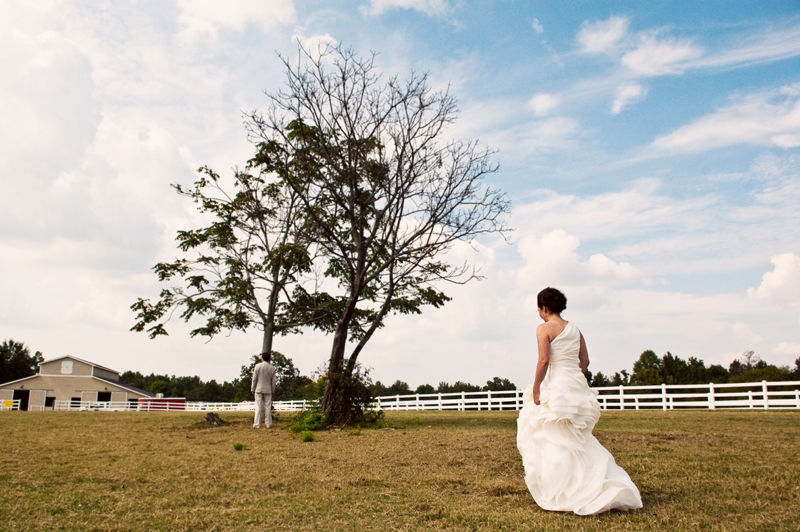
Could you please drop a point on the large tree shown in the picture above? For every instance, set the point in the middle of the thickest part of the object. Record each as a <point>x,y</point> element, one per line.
<point>16,361</point>
<point>386,192</point>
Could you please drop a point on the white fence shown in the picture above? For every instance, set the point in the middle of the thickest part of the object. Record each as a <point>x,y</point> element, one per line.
<point>171,406</point>
<point>750,395</point>
<point>9,404</point>
<point>762,395</point>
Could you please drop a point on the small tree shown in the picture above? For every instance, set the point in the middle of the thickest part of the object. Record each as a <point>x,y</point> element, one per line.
<point>241,266</point>
<point>385,194</point>
<point>16,361</point>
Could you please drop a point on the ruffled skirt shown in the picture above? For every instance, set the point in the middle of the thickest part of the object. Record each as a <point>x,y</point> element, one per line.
<point>566,468</point>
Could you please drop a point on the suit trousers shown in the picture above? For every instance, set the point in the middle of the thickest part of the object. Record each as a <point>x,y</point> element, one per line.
<point>263,410</point>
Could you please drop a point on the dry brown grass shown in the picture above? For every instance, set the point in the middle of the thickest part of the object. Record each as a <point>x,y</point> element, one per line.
<point>435,471</point>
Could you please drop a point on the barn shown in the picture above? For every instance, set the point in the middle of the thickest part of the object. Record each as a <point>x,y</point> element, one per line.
<point>69,381</point>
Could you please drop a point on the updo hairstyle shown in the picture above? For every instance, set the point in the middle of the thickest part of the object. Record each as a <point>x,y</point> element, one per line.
<point>552,299</point>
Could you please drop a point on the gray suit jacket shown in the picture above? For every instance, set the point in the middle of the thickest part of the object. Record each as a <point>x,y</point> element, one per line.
<point>263,379</point>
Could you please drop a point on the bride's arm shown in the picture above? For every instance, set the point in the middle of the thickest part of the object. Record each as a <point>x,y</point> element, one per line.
<point>543,341</point>
<point>583,356</point>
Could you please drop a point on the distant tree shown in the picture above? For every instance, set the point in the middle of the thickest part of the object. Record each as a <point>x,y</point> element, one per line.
<point>621,378</point>
<point>457,387</point>
<point>425,388</point>
<point>16,361</point>
<point>497,384</point>
<point>750,360</point>
<point>399,388</point>
<point>291,386</point>
<point>379,389</point>
<point>696,372</point>
<point>717,373</point>
<point>762,371</point>
<point>646,370</point>
<point>674,370</point>
<point>600,380</point>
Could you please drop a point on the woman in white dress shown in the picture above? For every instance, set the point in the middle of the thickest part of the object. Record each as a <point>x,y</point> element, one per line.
<point>566,468</point>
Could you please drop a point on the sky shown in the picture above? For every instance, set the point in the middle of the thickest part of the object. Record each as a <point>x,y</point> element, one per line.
<point>651,152</point>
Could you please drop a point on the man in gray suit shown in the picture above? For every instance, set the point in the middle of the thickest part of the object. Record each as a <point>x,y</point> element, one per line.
<point>263,387</point>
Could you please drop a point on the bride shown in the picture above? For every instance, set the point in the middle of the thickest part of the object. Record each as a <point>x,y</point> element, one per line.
<point>566,468</point>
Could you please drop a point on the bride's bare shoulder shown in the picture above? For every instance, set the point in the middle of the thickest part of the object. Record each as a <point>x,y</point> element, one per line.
<point>550,329</point>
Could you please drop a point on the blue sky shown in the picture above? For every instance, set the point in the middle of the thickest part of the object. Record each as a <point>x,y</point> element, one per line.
<point>650,150</point>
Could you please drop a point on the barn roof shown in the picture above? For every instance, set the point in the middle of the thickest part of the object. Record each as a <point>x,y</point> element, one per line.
<point>79,360</point>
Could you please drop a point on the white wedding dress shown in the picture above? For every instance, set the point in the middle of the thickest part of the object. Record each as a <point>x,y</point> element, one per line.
<point>566,468</point>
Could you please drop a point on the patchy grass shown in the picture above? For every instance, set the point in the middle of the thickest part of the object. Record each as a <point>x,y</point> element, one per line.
<point>143,471</point>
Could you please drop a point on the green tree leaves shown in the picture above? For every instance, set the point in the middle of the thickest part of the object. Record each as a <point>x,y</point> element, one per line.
<point>16,361</point>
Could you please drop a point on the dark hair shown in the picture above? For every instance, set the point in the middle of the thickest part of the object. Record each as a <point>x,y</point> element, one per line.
<point>266,356</point>
<point>552,299</point>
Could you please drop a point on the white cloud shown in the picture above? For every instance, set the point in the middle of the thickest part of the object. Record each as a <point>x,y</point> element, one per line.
<point>771,118</point>
<point>782,283</point>
<point>551,260</point>
<point>770,45</point>
<point>537,26</point>
<point>627,94</point>
<point>742,331</point>
<point>604,36</point>
<point>429,7</point>
<point>542,103</point>
<point>206,17</point>
<point>658,57</point>
<point>787,349</point>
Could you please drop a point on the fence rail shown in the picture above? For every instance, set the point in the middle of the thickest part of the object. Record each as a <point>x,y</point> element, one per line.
<point>10,404</point>
<point>748,395</point>
<point>172,406</point>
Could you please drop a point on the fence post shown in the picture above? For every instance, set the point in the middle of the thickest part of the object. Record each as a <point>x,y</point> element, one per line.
<point>416,403</point>
<point>490,401</point>
<point>712,404</point>
<point>797,397</point>
<point>397,401</point>
<point>463,401</point>
<point>750,398</point>
<point>663,396</point>
<point>636,402</point>
<point>766,396</point>
<point>621,398</point>
<point>440,400</point>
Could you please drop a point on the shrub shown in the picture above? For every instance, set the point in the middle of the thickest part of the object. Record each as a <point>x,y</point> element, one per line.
<point>308,436</point>
<point>372,419</point>
<point>352,396</point>
<point>308,420</point>
<point>355,432</point>
<point>238,446</point>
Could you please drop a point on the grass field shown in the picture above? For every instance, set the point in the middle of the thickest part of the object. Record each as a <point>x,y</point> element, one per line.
<point>699,470</point>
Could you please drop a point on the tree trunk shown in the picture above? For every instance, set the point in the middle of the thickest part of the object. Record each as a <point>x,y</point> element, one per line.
<point>266,341</point>
<point>335,364</point>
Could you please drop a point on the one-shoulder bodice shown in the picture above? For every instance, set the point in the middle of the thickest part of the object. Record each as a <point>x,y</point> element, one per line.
<point>565,348</point>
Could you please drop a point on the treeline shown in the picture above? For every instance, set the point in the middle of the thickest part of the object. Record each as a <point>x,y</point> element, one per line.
<point>290,384</point>
<point>651,370</point>
<point>402,388</point>
<point>16,361</point>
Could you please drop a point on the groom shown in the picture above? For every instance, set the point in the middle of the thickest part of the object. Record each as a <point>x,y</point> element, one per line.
<point>264,388</point>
